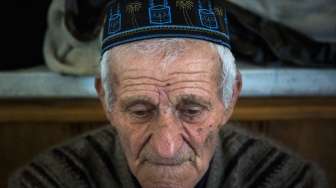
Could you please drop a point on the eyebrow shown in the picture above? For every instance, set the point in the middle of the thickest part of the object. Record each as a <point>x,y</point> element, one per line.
<point>191,98</point>
<point>132,100</point>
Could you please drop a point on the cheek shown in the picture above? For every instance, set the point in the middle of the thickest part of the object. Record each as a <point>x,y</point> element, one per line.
<point>200,135</point>
<point>210,124</point>
<point>210,139</point>
<point>203,134</point>
<point>132,137</point>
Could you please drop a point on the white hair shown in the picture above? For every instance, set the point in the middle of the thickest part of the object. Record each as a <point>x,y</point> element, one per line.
<point>228,70</point>
<point>228,74</point>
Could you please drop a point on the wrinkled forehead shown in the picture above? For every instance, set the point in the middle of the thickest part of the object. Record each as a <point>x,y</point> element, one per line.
<point>149,53</point>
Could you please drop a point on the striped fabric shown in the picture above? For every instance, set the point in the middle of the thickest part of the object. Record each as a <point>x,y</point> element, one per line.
<point>95,160</point>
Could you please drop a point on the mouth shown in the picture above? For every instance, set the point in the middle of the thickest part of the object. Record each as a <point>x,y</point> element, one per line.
<point>165,162</point>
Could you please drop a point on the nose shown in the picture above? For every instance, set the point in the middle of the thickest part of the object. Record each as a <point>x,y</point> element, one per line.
<point>167,139</point>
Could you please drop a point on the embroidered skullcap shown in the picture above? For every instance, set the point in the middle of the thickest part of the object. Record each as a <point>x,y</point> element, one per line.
<point>132,20</point>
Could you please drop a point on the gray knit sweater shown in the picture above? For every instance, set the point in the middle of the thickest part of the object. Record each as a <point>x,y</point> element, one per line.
<point>96,160</point>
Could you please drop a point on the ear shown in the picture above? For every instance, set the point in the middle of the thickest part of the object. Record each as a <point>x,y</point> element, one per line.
<point>101,94</point>
<point>235,94</point>
<point>236,89</point>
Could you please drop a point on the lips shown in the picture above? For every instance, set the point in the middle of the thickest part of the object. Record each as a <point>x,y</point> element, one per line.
<point>165,162</point>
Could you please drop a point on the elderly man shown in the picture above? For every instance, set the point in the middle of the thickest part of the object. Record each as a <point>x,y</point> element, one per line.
<point>168,85</point>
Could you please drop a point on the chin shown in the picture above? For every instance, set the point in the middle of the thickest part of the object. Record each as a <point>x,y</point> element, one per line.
<point>163,185</point>
<point>167,184</point>
<point>153,176</point>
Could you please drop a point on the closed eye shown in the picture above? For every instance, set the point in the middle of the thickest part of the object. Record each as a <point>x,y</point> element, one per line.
<point>141,111</point>
<point>192,113</point>
<point>191,110</point>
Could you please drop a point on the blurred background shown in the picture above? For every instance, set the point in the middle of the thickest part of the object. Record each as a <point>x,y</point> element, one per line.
<point>286,51</point>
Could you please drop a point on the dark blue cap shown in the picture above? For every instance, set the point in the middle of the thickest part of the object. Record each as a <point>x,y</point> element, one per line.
<point>133,20</point>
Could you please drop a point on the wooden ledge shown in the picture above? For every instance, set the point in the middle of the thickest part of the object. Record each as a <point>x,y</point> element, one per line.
<point>90,110</point>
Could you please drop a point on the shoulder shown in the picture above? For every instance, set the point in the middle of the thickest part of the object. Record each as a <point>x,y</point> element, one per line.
<point>258,162</point>
<point>73,164</point>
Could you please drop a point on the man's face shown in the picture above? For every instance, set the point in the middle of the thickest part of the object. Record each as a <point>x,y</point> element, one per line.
<point>167,111</point>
